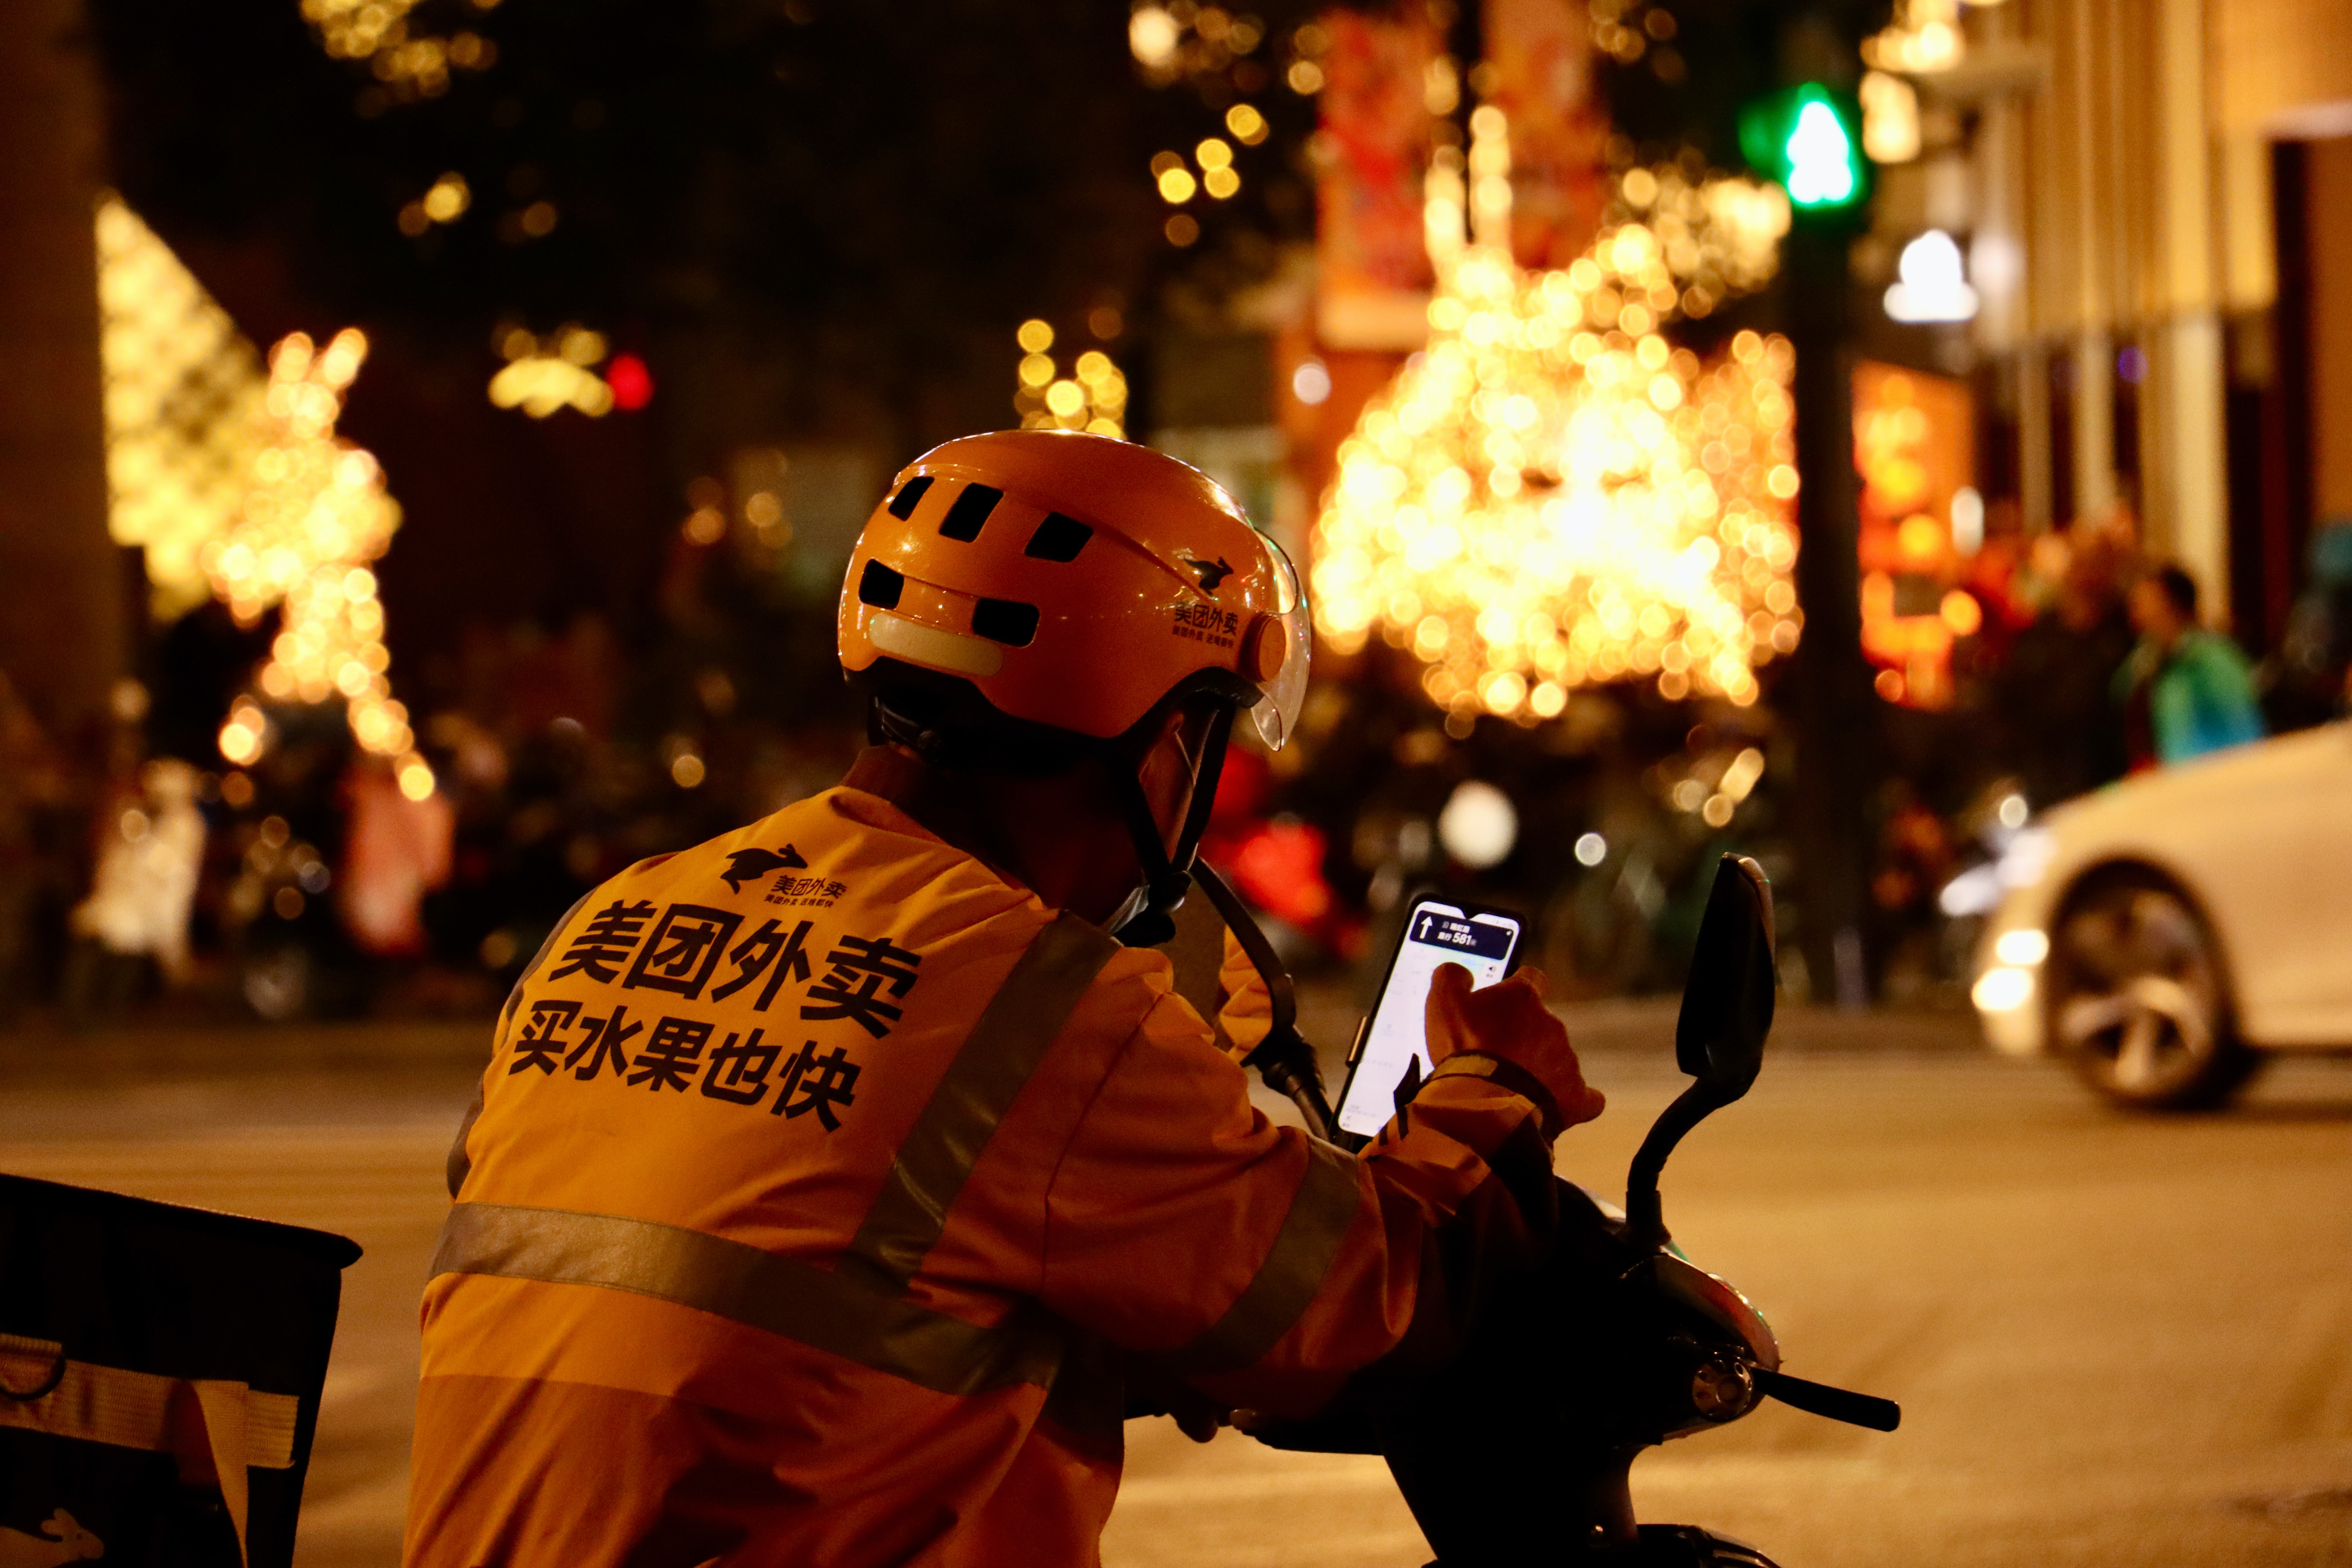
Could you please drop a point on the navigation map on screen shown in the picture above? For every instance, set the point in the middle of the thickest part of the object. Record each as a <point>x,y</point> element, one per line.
<point>1436,933</point>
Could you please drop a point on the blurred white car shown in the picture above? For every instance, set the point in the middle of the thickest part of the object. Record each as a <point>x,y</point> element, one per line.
<point>2164,933</point>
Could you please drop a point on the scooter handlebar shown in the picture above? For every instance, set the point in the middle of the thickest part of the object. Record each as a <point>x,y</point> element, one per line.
<point>1836,1404</point>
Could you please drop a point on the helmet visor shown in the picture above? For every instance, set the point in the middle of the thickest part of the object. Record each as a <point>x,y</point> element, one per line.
<point>1277,713</point>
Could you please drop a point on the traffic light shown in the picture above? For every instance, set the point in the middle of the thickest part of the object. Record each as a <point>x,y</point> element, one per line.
<point>1807,138</point>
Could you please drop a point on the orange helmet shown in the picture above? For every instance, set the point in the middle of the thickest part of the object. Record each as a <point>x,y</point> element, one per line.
<point>1079,584</point>
<point>1076,582</point>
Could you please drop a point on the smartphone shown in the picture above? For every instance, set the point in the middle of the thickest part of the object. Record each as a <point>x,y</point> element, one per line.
<point>1437,931</point>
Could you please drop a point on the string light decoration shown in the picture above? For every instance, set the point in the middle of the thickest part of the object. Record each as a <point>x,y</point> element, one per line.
<point>1625,30</point>
<point>1551,495</point>
<point>1924,37</point>
<point>1092,397</point>
<point>542,376</point>
<point>1176,41</point>
<point>444,201</point>
<point>184,393</point>
<point>315,516</point>
<point>231,480</point>
<point>410,65</point>
<point>1178,184</point>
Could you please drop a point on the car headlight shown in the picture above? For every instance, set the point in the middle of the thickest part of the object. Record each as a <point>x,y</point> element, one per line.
<point>2024,947</point>
<point>2003,989</point>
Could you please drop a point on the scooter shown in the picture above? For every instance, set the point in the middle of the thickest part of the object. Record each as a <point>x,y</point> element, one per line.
<point>1518,1452</point>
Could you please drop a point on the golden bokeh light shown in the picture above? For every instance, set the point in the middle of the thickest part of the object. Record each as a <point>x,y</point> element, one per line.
<point>184,392</point>
<point>315,515</point>
<point>448,198</point>
<point>544,377</point>
<point>1093,396</point>
<point>233,481</point>
<point>409,64</point>
<point>1551,495</point>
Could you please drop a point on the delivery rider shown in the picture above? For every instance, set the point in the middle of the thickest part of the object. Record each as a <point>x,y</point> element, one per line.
<point>826,1177</point>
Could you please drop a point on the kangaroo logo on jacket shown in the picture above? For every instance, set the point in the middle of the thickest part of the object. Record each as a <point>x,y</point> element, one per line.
<point>751,865</point>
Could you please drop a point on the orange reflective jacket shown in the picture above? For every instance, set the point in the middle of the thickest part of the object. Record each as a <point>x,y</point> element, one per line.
<point>820,1177</point>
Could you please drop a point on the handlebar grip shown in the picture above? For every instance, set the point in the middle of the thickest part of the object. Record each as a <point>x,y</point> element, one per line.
<point>1836,1404</point>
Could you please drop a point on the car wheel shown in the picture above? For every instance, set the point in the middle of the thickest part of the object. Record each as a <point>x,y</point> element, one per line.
<point>2138,1000</point>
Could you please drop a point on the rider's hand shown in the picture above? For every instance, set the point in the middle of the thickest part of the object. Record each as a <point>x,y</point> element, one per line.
<point>1509,1021</point>
<point>1152,1389</point>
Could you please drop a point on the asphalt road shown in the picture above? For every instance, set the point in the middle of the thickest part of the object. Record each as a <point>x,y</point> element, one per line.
<point>2117,1341</point>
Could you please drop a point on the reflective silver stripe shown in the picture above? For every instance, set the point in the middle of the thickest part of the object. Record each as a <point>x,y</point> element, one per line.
<point>828,1312</point>
<point>1014,1031</point>
<point>1295,1267</point>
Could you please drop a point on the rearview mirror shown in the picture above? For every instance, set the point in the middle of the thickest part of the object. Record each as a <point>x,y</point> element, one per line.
<point>1734,977</point>
<point>1719,1039</point>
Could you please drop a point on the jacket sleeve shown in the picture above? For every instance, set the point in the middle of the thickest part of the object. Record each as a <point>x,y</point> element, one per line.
<point>1247,1012</point>
<point>1266,1266</point>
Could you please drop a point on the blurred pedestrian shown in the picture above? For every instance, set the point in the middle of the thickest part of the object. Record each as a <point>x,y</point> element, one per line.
<point>2067,735</point>
<point>397,848</point>
<point>148,856</point>
<point>2185,690</point>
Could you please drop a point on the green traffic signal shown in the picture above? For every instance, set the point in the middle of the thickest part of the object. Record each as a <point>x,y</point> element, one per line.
<point>1807,139</point>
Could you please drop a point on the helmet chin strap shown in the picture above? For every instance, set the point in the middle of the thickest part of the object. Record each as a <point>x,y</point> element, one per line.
<point>1283,1058</point>
<point>1166,878</point>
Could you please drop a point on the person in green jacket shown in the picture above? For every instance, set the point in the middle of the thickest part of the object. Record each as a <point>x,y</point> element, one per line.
<point>2184,690</point>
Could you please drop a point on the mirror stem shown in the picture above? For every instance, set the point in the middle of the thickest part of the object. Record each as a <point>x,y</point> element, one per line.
<point>1644,1214</point>
<point>1284,1059</point>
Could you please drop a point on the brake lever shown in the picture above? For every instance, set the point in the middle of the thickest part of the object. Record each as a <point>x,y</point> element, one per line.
<point>1836,1404</point>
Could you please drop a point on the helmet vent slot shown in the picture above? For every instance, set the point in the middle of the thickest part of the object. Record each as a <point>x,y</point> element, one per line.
<point>909,497</point>
<point>969,510</point>
<point>879,587</point>
<point>1059,538</point>
<point>1007,621</point>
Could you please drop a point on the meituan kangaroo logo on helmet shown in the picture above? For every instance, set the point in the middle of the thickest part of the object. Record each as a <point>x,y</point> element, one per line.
<point>1211,572</point>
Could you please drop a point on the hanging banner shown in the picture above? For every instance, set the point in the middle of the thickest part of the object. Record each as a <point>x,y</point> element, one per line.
<point>1373,275</point>
<point>1539,74</point>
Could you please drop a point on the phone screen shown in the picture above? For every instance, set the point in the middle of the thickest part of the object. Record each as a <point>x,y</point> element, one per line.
<point>1434,933</point>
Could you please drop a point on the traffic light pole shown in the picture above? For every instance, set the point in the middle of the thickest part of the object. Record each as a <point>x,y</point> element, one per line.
<point>1836,710</point>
